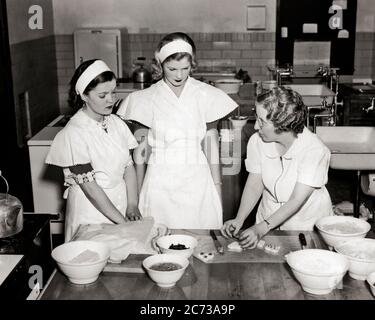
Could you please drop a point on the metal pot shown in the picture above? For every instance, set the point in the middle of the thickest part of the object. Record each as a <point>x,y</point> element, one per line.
<point>141,74</point>
<point>11,214</point>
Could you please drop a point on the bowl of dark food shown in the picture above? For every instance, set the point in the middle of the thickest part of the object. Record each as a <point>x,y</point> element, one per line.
<point>165,269</point>
<point>179,244</point>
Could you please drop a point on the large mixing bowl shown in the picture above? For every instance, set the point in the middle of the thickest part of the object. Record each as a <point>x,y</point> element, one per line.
<point>361,256</point>
<point>336,230</point>
<point>318,271</point>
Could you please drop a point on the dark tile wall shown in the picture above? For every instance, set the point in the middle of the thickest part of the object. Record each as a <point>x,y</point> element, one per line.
<point>34,69</point>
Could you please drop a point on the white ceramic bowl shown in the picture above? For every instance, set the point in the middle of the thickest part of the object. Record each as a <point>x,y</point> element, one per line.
<point>174,239</point>
<point>318,271</point>
<point>229,86</point>
<point>238,121</point>
<point>361,256</point>
<point>81,261</point>
<point>336,230</point>
<point>165,279</point>
<point>371,282</point>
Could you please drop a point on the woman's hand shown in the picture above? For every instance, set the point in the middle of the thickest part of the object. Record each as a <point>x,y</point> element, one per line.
<point>249,238</point>
<point>132,214</point>
<point>231,228</point>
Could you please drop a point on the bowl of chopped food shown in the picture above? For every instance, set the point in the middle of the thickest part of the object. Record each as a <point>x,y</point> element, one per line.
<point>361,256</point>
<point>180,244</point>
<point>318,271</point>
<point>165,269</point>
<point>81,261</point>
<point>336,230</point>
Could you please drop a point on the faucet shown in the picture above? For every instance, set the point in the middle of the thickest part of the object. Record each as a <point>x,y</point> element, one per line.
<point>370,107</point>
<point>331,115</point>
<point>283,72</point>
<point>322,71</point>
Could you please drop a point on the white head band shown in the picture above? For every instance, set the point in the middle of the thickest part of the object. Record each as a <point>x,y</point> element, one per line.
<point>173,47</point>
<point>90,74</point>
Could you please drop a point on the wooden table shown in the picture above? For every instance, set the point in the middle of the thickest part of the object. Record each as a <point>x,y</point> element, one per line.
<point>202,281</point>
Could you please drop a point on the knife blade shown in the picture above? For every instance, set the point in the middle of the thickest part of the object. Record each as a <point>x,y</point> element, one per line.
<point>219,247</point>
<point>302,240</point>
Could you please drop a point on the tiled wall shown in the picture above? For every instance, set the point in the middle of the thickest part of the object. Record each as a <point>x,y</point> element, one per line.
<point>215,52</point>
<point>34,70</point>
<point>364,56</point>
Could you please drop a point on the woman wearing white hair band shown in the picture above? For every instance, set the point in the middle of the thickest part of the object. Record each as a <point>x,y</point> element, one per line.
<point>93,150</point>
<point>182,184</point>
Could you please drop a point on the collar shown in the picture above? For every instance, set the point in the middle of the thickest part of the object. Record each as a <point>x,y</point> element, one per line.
<point>271,152</point>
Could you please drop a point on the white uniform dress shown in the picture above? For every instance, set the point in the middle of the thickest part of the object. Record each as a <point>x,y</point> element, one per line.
<point>307,162</point>
<point>178,189</point>
<point>83,141</point>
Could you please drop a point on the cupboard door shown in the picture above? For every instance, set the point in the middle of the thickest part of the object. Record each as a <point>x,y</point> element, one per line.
<point>292,14</point>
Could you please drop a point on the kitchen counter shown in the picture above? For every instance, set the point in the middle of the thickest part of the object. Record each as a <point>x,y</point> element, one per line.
<point>234,281</point>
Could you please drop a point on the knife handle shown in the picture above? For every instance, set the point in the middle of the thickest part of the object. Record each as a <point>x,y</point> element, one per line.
<point>302,240</point>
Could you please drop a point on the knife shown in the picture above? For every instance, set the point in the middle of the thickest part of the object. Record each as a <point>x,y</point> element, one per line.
<point>302,240</point>
<point>218,245</point>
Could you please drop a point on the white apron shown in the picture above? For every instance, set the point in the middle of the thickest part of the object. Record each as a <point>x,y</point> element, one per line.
<point>178,189</point>
<point>84,141</point>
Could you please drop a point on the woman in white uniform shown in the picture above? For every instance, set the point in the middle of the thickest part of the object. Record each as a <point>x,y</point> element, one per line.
<point>93,150</point>
<point>182,184</point>
<point>288,167</point>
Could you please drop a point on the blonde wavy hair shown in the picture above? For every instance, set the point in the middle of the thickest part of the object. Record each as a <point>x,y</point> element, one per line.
<point>157,67</point>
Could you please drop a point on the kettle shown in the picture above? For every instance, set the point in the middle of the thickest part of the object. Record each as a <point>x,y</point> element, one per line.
<point>11,213</point>
<point>141,74</point>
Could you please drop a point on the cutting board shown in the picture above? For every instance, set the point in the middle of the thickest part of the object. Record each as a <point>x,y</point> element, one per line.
<point>132,264</point>
<point>287,244</point>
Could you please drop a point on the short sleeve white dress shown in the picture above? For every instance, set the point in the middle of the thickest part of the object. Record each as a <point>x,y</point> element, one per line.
<point>307,162</point>
<point>83,141</point>
<point>178,189</point>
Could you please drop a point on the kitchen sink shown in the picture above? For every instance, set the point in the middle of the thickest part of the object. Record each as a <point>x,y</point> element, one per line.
<point>313,94</point>
<point>352,148</point>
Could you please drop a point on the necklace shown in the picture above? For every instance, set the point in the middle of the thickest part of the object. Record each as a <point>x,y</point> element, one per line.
<point>104,124</point>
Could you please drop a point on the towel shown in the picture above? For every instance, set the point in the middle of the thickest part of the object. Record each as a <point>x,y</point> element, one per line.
<point>133,237</point>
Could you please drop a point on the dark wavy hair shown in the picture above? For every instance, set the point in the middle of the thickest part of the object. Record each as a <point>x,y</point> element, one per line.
<point>74,100</point>
<point>156,66</point>
<point>285,108</point>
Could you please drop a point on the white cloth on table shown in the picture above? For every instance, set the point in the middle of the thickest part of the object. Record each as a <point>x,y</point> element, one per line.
<point>83,141</point>
<point>178,189</point>
<point>132,237</point>
<point>307,162</point>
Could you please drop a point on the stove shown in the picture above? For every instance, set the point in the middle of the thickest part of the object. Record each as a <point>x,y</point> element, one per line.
<point>18,253</point>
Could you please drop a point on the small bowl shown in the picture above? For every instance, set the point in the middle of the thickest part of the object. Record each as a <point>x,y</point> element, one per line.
<point>336,230</point>
<point>165,279</point>
<point>189,242</point>
<point>318,271</point>
<point>361,256</point>
<point>238,121</point>
<point>81,261</point>
<point>371,282</point>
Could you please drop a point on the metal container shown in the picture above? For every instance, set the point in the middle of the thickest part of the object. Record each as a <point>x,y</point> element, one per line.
<point>141,74</point>
<point>11,213</point>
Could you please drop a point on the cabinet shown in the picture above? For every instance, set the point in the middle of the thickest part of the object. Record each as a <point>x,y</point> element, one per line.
<point>353,103</point>
<point>104,44</point>
<point>293,14</point>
